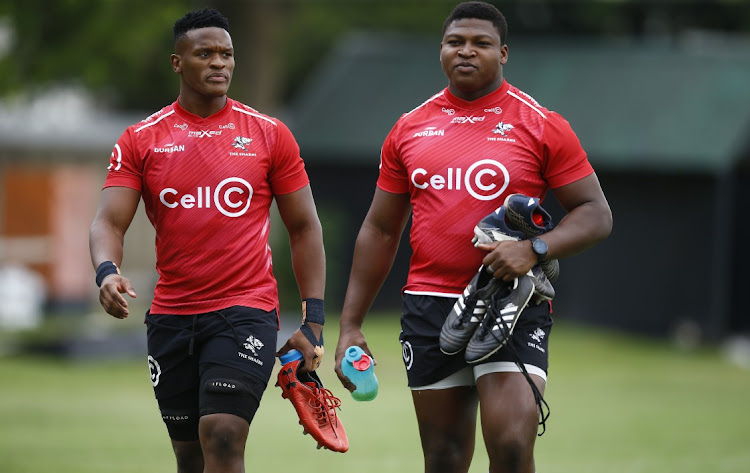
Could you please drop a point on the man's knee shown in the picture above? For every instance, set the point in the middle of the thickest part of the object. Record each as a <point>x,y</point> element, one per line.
<point>189,456</point>
<point>510,454</point>
<point>223,435</point>
<point>448,453</point>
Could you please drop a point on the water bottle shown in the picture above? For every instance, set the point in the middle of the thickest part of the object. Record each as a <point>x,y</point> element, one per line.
<point>360,369</point>
<point>291,355</point>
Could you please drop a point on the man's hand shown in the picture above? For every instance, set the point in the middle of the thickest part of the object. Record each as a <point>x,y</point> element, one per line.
<point>508,259</point>
<point>110,295</point>
<point>313,354</point>
<point>348,338</point>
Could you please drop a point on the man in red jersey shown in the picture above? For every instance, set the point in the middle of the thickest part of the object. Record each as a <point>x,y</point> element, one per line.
<point>449,163</point>
<point>207,168</point>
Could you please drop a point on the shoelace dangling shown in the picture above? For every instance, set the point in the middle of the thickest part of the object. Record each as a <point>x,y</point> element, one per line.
<point>541,404</point>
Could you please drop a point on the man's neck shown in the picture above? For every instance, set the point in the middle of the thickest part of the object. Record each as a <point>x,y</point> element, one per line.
<point>203,106</point>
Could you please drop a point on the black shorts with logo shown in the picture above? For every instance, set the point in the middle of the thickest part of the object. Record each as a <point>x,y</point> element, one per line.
<point>217,362</point>
<point>422,320</point>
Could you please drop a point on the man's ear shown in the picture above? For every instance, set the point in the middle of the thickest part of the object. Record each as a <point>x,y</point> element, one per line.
<point>175,58</point>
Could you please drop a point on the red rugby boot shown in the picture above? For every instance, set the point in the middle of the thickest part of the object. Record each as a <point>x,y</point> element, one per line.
<point>315,405</point>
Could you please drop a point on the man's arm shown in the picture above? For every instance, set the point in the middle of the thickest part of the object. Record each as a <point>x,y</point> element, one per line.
<point>374,252</point>
<point>117,207</point>
<point>587,222</point>
<point>300,218</point>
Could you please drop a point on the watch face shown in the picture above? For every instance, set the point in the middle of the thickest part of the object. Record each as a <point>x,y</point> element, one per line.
<point>540,247</point>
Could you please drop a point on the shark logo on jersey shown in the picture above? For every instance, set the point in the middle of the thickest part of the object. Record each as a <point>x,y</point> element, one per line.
<point>502,128</point>
<point>241,142</point>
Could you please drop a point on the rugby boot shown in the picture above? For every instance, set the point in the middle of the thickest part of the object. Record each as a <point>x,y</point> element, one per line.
<point>467,312</point>
<point>315,405</point>
<point>495,227</point>
<point>543,289</point>
<point>506,305</point>
<point>525,214</point>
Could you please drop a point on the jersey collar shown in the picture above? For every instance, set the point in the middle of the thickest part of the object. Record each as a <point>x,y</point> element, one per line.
<point>481,102</point>
<point>185,115</point>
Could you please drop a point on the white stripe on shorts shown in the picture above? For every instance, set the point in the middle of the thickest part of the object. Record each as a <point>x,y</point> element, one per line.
<point>467,376</point>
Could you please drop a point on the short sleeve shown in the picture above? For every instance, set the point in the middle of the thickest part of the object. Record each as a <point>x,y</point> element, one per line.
<point>393,177</point>
<point>565,161</point>
<point>125,164</point>
<point>287,173</point>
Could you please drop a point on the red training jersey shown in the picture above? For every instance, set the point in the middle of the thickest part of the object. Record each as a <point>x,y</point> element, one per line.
<point>458,160</point>
<point>207,186</point>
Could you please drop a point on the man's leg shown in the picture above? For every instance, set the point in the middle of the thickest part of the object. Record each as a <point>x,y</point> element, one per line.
<point>223,438</point>
<point>510,419</point>
<point>189,456</point>
<point>447,424</point>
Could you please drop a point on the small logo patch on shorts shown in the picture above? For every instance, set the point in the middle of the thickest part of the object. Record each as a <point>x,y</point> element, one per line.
<point>408,354</point>
<point>154,369</point>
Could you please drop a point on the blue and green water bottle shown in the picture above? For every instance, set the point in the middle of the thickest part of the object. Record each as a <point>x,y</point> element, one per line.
<point>360,369</point>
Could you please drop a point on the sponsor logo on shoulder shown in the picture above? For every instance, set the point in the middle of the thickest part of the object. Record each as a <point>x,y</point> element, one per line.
<point>429,131</point>
<point>495,110</point>
<point>153,115</point>
<point>449,111</point>
<point>169,148</point>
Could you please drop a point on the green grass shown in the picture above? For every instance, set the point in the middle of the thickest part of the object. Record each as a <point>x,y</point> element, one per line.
<point>619,404</point>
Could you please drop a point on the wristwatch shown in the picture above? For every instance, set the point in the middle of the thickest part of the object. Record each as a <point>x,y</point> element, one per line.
<point>539,247</point>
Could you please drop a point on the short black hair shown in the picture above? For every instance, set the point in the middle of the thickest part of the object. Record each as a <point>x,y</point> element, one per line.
<point>481,11</point>
<point>205,18</point>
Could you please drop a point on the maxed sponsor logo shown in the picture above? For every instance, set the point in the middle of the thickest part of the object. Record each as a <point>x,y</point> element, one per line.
<point>231,197</point>
<point>471,119</point>
<point>204,133</point>
<point>484,180</point>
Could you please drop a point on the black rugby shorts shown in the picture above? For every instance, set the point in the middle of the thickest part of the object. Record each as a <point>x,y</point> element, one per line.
<point>238,342</point>
<point>422,319</point>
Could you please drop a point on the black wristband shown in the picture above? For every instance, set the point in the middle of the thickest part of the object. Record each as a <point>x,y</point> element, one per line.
<point>104,270</point>
<point>310,335</point>
<point>314,311</point>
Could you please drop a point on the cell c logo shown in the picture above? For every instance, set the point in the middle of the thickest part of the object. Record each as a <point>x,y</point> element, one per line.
<point>154,369</point>
<point>408,354</point>
<point>232,197</point>
<point>480,185</point>
<point>484,180</point>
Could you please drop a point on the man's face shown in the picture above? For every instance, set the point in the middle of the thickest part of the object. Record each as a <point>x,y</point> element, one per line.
<point>472,57</point>
<point>205,61</point>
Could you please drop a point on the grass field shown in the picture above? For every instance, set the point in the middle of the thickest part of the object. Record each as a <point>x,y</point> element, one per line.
<point>619,404</point>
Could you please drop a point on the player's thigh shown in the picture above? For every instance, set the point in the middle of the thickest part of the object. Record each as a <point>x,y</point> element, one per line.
<point>236,359</point>
<point>445,410</point>
<point>174,373</point>
<point>508,409</point>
